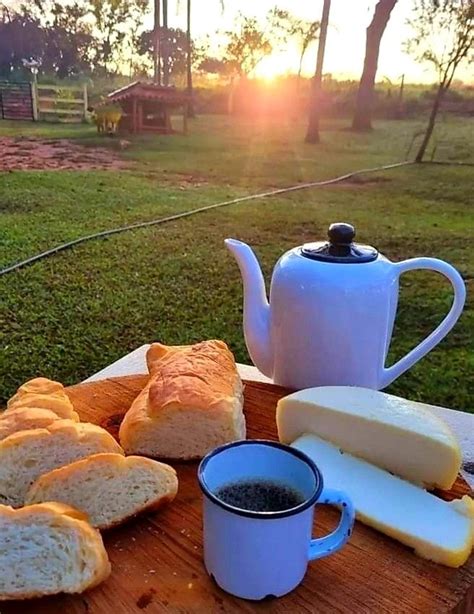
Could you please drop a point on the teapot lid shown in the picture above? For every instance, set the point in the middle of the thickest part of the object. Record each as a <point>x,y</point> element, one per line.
<point>340,248</point>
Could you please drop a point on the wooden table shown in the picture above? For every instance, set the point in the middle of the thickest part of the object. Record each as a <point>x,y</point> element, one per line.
<point>157,559</point>
<point>461,423</point>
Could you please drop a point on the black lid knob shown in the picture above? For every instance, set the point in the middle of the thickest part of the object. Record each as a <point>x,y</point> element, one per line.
<point>341,233</point>
<point>340,248</point>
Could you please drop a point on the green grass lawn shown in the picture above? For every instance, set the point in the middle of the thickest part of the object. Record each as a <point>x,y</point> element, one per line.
<point>70,315</point>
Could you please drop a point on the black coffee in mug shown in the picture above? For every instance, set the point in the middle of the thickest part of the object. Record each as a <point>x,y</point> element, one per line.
<point>259,495</point>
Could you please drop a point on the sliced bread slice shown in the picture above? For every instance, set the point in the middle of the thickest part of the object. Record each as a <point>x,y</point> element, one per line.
<point>109,488</point>
<point>47,549</point>
<point>26,455</point>
<point>25,418</point>
<point>60,404</point>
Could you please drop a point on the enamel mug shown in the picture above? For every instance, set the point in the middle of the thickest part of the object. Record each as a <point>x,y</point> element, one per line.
<point>254,555</point>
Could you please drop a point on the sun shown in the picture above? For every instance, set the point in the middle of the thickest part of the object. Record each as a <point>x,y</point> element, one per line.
<point>270,68</point>
<point>279,63</point>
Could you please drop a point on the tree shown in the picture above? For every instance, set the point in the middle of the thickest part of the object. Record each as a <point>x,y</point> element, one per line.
<point>21,37</point>
<point>67,34</point>
<point>190,58</point>
<point>303,31</point>
<point>246,46</point>
<point>189,62</point>
<point>363,112</point>
<point>57,35</point>
<point>443,34</point>
<point>156,42</point>
<point>135,28</point>
<point>176,44</point>
<point>113,22</point>
<point>165,53</point>
<point>312,134</point>
<point>215,66</point>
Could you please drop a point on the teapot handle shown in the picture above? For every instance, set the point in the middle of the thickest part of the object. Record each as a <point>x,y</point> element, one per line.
<point>432,264</point>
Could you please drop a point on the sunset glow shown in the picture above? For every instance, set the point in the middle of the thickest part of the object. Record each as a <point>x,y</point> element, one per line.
<point>345,45</point>
<point>345,42</point>
<point>272,67</point>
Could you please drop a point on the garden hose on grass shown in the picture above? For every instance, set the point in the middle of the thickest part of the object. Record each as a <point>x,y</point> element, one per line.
<point>177,216</point>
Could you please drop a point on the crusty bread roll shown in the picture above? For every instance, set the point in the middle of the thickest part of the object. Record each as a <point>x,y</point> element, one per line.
<point>25,418</point>
<point>109,488</point>
<point>26,455</point>
<point>157,354</point>
<point>47,549</point>
<point>43,393</point>
<point>38,385</point>
<point>192,403</point>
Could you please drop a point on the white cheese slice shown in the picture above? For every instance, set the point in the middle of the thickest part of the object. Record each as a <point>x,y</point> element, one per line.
<point>401,436</point>
<point>440,531</point>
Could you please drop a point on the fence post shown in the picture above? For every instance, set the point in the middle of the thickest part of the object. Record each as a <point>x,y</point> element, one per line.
<point>34,100</point>
<point>85,101</point>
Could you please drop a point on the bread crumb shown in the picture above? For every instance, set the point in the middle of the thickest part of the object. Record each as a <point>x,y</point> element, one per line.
<point>190,585</point>
<point>152,571</point>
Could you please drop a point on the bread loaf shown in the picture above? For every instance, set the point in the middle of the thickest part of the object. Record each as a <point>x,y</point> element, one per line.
<point>44,394</point>
<point>38,385</point>
<point>61,405</point>
<point>25,418</point>
<point>109,488</point>
<point>47,549</point>
<point>192,403</point>
<point>26,455</point>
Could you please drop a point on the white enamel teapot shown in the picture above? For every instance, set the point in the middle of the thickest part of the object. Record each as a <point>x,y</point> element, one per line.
<point>331,312</point>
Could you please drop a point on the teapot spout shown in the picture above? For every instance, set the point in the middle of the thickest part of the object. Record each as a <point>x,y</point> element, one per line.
<point>256,307</point>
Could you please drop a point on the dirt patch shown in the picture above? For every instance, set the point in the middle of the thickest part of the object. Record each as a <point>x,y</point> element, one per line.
<point>27,153</point>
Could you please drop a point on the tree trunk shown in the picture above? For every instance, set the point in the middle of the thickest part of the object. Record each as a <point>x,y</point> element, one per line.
<point>431,122</point>
<point>156,43</point>
<point>230,97</point>
<point>300,68</point>
<point>295,110</point>
<point>363,112</point>
<point>399,111</point>
<point>312,135</point>
<point>165,51</point>
<point>189,63</point>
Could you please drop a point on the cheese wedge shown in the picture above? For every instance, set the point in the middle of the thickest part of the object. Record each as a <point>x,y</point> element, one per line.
<point>439,531</point>
<point>401,436</point>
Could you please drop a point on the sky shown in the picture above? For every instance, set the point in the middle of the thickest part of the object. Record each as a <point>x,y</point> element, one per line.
<point>345,46</point>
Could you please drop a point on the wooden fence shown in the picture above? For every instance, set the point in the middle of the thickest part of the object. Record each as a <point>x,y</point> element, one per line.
<point>31,101</point>
<point>16,100</point>
<point>63,103</point>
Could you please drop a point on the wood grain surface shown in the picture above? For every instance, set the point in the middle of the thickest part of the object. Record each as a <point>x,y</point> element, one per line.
<point>157,559</point>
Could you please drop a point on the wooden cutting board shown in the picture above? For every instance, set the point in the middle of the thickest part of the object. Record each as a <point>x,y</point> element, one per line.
<point>157,560</point>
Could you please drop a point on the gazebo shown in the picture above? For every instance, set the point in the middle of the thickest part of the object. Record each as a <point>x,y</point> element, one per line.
<point>147,107</point>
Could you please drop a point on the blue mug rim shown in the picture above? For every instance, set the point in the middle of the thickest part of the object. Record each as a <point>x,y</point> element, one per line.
<point>309,502</point>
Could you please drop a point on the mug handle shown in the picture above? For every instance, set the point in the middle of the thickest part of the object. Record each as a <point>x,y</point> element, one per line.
<point>432,264</point>
<point>329,544</point>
